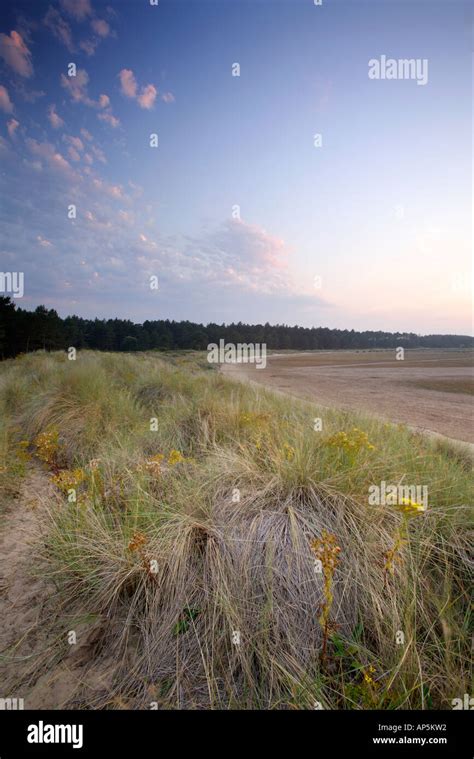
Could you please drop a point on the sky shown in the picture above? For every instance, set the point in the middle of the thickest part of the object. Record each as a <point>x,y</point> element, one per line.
<point>287,185</point>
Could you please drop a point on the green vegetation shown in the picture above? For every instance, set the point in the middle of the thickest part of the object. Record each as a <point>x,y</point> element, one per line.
<point>22,331</point>
<point>190,508</point>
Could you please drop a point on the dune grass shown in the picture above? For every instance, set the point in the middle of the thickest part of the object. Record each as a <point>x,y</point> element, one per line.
<point>189,509</point>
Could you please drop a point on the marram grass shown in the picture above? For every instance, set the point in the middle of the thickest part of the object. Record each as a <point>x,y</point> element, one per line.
<point>194,518</point>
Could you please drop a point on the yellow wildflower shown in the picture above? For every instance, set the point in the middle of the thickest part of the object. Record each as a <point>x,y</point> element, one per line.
<point>327,552</point>
<point>47,446</point>
<point>289,452</point>
<point>409,507</point>
<point>353,442</point>
<point>175,457</point>
<point>67,480</point>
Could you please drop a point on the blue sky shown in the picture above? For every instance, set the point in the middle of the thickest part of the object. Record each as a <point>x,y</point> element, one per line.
<point>371,230</point>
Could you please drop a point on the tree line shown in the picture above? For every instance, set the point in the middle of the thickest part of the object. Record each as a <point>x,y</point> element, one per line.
<point>22,331</point>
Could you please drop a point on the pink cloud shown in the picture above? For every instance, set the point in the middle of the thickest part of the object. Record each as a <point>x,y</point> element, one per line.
<point>87,135</point>
<point>244,254</point>
<point>100,27</point>
<point>12,126</point>
<point>75,142</point>
<point>147,96</point>
<point>79,9</point>
<point>5,102</point>
<point>114,191</point>
<point>102,30</point>
<point>44,242</point>
<point>128,83</point>
<point>89,46</point>
<point>129,87</point>
<point>77,87</point>
<point>49,155</point>
<point>16,54</point>
<point>73,154</point>
<point>126,216</point>
<point>109,118</point>
<point>29,96</point>
<point>59,27</point>
<point>55,120</point>
<point>99,154</point>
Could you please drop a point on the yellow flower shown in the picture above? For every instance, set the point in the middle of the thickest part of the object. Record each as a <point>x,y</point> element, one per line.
<point>67,480</point>
<point>368,676</point>
<point>409,507</point>
<point>47,446</point>
<point>326,550</point>
<point>289,451</point>
<point>175,457</point>
<point>352,442</point>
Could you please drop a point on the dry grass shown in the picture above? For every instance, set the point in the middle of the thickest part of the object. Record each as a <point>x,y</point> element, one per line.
<point>174,565</point>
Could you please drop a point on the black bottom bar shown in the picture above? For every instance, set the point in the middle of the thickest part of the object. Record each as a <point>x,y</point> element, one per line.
<point>128,733</point>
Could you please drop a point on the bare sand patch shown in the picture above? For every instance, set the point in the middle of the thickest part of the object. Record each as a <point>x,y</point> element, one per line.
<point>29,668</point>
<point>375,382</point>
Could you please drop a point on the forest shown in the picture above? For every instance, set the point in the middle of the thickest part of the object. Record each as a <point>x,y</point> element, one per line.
<point>23,331</point>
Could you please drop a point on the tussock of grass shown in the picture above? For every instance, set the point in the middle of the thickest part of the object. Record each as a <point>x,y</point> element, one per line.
<point>225,566</point>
